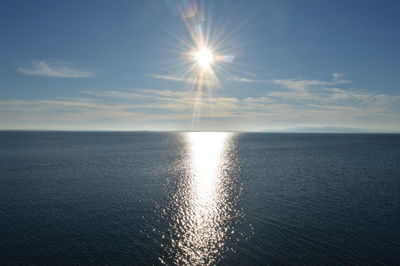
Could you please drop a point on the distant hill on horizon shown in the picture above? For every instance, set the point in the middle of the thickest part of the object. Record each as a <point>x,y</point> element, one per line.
<point>330,130</point>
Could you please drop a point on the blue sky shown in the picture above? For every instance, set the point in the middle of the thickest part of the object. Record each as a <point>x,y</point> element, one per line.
<point>124,65</point>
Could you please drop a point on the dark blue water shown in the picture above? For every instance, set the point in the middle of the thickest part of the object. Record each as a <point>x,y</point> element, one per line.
<point>75,198</point>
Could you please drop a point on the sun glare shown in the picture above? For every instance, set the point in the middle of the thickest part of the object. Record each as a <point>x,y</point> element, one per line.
<point>204,58</point>
<point>205,50</point>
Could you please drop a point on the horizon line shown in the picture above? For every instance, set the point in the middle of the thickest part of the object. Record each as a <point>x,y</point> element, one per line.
<point>189,131</point>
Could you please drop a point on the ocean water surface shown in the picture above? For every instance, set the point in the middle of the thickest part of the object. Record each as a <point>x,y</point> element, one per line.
<point>201,198</point>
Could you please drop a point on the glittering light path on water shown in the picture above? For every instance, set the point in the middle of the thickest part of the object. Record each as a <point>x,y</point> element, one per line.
<point>202,209</point>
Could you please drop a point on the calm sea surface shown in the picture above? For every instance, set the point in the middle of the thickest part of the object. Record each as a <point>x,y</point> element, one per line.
<point>97,198</point>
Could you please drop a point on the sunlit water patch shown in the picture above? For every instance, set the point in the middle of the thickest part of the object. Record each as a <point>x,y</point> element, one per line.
<point>201,212</point>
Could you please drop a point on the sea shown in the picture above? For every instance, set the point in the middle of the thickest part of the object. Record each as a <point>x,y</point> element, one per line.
<point>199,198</point>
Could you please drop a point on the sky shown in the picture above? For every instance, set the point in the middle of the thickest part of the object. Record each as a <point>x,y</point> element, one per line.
<point>133,65</point>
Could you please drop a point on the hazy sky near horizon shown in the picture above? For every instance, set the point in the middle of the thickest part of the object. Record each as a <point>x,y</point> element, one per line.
<point>124,65</point>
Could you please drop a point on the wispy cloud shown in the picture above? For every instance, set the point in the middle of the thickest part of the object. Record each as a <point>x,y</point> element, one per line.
<point>53,69</point>
<point>246,80</point>
<point>338,75</point>
<point>304,84</point>
<point>193,80</point>
<point>339,105</point>
<point>170,77</point>
<point>147,108</point>
<point>296,103</point>
<point>319,91</point>
<point>294,84</point>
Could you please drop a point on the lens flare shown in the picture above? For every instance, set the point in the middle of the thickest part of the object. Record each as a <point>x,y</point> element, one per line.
<point>206,53</point>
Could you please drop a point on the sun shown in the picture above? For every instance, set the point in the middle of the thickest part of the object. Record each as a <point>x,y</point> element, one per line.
<point>204,58</point>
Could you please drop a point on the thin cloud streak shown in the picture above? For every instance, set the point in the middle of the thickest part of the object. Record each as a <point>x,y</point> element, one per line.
<point>171,78</point>
<point>246,80</point>
<point>53,69</point>
<point>316,103</point>
<point>296,84</point>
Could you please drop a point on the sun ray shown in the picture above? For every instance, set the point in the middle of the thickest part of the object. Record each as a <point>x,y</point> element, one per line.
<point>204,55</point>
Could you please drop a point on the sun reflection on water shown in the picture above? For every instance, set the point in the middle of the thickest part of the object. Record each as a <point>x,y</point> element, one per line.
<point>202,208</point>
